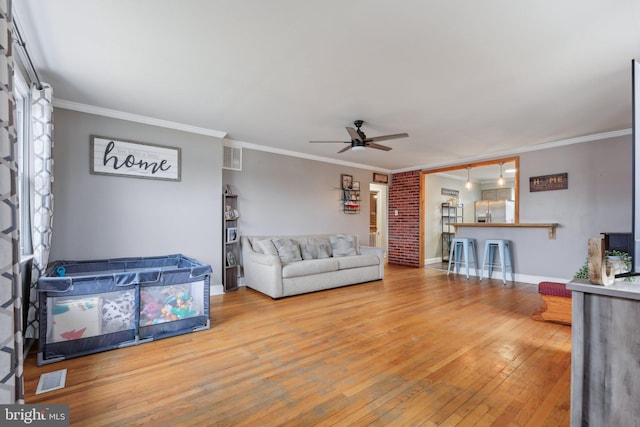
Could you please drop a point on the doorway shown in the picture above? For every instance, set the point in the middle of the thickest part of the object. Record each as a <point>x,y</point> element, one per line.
<point>464,186</point>
<point>378,216</point>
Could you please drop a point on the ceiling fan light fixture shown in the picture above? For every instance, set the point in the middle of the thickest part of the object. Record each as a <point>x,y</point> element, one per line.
<point>357,148</point>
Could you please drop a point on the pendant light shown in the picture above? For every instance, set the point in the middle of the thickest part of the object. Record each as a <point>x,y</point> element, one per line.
<point>501,179</point>
<point>468,184</point>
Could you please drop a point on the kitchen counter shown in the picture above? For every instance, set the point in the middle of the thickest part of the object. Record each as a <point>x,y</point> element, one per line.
<point>550,226</point>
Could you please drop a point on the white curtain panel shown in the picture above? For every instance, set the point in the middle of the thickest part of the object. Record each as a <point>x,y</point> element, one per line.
<point>42,203</point>
<point>11,343</point>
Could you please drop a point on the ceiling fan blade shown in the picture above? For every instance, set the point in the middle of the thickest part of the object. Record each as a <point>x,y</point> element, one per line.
<point>387,137</point>
<point>347,148</point>
<point>330,142</point>
<point>378,146</point>
<point>354,134</point>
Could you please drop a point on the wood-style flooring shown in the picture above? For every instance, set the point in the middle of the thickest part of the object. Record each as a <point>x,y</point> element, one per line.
<point>417,348</point>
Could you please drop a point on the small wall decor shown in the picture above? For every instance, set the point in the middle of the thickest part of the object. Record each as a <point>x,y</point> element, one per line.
<point>449,192</point>
<point>119,157</point>
<point>557,181</point>
<point>380,178</point>
<point>347,181</point>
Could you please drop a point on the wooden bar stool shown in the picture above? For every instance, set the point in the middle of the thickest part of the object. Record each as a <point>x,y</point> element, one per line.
<point>463,248</point>
<point>504,250</point>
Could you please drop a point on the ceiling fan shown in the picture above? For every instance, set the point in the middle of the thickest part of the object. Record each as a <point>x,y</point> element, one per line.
<point>359,140</point>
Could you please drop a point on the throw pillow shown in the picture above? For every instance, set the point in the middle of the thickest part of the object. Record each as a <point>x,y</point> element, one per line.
<point>309,250</point>
<point>266,247</point>
<point>324,248</point>
<point>315,248</point>
<point>288,250</point>
<point>343,245</point>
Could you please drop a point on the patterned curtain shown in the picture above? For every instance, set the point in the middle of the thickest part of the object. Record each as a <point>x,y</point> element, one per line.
<point>11,363</point>
<point>42,202</point>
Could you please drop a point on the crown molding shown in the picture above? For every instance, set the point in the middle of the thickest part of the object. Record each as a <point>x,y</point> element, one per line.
<point>257,147</point>
<point>90,109</point>
<point>538,147</point>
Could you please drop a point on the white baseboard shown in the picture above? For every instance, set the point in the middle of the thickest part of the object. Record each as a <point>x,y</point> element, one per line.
<point>219,289</point>
<point>521,278</point>
<point>216,289</point>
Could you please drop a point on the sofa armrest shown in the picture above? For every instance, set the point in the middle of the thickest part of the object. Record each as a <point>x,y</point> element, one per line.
<point>379,252</point>
<point>262,272</point>
<point>263,259</point>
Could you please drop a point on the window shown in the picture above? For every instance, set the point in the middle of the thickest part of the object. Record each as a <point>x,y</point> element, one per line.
<point>23,134</point>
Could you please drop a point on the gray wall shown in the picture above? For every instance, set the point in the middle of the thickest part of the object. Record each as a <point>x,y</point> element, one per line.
<point>98,216</point>
<point>598,200</point>
<point>282,195</point>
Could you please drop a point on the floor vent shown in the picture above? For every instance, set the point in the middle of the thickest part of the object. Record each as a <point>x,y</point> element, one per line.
<point>51,381</point>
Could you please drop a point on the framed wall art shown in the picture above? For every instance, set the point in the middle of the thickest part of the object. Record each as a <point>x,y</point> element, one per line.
<point>380,178</point>
<point>557,181</point>
<point>120,157</point>
<point>347,181</point>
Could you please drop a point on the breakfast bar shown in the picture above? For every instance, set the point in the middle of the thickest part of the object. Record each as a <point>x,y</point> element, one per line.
<point>530,243</point>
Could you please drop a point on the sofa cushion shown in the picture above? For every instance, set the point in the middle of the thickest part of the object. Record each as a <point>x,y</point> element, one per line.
<point>265,247</point>
<point>315,248</point>
<point>356,261</point>
<point>288,250</point>
<point>308,267</point>
<point>344,245</point>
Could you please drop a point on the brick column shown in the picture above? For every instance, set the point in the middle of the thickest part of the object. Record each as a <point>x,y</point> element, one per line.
<point>405,247</point>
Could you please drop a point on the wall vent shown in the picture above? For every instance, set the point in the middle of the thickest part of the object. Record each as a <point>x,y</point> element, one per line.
<point>232,158</point>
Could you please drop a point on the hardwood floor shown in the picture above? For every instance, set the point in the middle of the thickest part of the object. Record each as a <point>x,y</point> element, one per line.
<point>416,348</point>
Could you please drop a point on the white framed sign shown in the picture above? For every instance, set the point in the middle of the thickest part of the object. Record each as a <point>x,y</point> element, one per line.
<point>119,157</point>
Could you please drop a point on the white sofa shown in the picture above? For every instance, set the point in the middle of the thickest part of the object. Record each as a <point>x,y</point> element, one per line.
<point>281,266</point>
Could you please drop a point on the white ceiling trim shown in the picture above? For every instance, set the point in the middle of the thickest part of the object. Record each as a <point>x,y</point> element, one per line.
<point>280,151</point>
<point>84,108</point>
<point>90,109</point>
<point>99,111</point>
<point>538,147</point>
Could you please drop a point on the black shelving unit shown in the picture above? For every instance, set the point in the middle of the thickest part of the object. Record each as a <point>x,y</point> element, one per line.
<point>450,215</point>
<point>231,242</point>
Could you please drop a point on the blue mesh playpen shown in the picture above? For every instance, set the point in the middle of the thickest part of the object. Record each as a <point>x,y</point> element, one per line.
<point>92,306</point>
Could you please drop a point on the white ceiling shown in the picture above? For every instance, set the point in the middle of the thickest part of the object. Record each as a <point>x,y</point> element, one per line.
<point>466,79</point>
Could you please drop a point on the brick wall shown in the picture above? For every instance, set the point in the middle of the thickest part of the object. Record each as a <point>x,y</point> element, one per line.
<point>404,229</point>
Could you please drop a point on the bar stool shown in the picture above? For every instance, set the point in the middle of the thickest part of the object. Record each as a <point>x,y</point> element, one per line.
<point>466,247</point>
<point>504,250</point>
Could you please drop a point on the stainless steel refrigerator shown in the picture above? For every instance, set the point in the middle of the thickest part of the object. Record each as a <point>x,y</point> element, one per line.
<point>500,211</point>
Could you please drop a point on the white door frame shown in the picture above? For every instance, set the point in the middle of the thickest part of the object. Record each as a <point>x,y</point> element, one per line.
<point>382,214</point>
